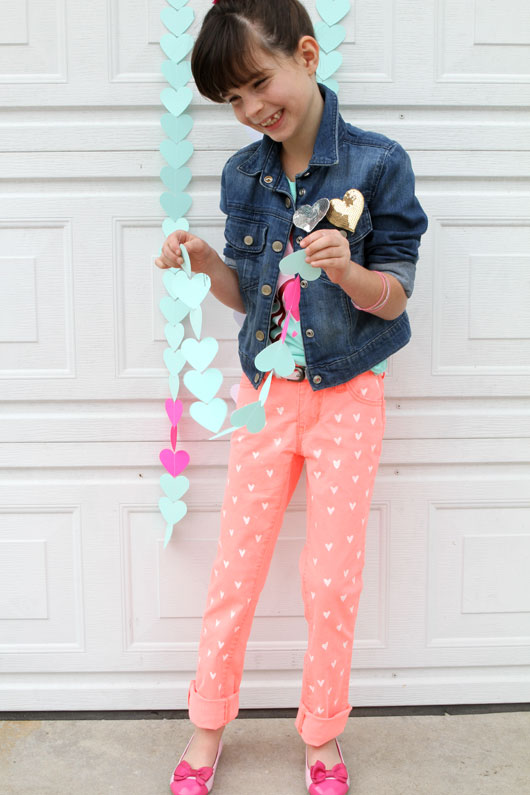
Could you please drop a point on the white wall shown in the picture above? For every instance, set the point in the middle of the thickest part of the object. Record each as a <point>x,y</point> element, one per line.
<point>93,612</point>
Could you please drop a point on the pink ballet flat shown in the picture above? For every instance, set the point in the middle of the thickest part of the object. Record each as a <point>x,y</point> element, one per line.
<point>320,781</point>
<point>187,781</point>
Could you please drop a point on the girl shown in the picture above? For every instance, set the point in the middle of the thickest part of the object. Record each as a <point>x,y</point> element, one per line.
<point>261,57</point>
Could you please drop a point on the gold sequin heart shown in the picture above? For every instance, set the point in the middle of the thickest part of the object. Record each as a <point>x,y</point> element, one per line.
<point>346,212</point>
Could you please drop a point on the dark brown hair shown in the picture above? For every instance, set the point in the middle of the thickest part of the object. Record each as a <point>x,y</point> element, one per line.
<point>223,56</point>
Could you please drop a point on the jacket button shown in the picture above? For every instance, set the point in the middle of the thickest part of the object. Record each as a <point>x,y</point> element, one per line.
<point>303,283</point>
<point>317,379</point>
<point>310,332</point>
<point>256,378</point>
<point>248,239</point>
<point>287,201</point>
<point>299,239</point>
<point>306,174</point>
<point>277,245</point>
<point>343,232</point>
<point>260,335</point>
<point>267,179</point>
<point>301,192</point>
<point>266,289</point>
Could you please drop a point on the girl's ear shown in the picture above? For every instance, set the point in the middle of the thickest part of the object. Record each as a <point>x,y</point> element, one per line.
<point>308,52</point>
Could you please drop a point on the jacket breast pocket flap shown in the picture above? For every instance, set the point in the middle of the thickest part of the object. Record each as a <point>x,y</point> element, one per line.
<point>245,237</point>
<point>363,228</point>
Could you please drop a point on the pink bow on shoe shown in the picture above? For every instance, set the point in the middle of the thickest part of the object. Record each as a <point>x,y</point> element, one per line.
<point>184,769</point>
<point>319,773</point>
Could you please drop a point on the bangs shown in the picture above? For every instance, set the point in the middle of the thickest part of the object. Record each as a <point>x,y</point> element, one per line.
<point>226,60</point>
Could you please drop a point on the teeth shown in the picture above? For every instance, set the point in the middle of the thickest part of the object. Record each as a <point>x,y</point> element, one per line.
<point>272,120</point>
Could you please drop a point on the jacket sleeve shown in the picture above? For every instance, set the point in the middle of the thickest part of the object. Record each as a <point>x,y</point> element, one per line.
<point>398,220</point>
<point>223,206</point>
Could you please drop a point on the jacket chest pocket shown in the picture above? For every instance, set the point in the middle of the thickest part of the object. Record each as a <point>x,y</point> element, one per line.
<point>245,243</point>
<point>355,239</point>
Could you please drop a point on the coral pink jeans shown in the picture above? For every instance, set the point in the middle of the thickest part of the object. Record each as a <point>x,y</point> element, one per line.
<point>338,432</point>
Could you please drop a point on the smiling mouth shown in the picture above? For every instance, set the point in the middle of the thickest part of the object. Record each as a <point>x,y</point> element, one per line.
<point>272,119</point>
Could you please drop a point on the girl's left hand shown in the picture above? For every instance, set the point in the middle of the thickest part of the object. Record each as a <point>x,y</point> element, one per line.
<point>328,249</point>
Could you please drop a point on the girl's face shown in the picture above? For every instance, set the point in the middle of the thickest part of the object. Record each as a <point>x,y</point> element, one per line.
<point>277,101</point>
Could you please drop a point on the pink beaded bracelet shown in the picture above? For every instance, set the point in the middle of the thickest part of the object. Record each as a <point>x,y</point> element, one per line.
<point>383,298</point>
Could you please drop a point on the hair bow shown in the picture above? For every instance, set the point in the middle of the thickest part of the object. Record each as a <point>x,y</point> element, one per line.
<point>319,772</point>
<point>184,769</point>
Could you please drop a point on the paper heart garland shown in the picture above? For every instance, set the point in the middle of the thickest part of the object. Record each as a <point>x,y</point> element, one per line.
<point>329,35</point>
<point>186,291</point>
<point>346,212</point>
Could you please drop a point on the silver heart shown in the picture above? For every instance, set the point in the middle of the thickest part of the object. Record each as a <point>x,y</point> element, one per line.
<point>307,217</point>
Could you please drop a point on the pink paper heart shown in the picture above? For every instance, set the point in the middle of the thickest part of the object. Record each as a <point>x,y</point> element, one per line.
<point>173,436</point>
<point>292,297</point>
<point>174,462</point>
<point>174,410</point>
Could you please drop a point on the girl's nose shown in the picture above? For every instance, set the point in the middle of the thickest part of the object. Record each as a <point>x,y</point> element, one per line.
<point>253,110</point>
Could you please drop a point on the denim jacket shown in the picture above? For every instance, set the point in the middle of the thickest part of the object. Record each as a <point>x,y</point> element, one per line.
<point>339,340</point>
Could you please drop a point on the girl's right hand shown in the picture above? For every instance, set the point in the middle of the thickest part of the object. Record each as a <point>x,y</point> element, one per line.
<point>199,251</point>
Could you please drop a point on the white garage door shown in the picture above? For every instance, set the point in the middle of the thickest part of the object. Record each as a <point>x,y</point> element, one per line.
<point>94,613</point>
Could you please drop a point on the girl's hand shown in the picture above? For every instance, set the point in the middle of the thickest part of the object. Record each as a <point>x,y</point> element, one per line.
<point>328,249</point>
<point>200,252</point>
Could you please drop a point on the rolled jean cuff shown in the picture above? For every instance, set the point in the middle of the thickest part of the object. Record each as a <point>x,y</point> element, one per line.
<point>317,731</point>
<point>209,713</point>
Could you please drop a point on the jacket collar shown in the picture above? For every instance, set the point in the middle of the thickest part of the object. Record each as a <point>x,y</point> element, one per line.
<point>266,157</point>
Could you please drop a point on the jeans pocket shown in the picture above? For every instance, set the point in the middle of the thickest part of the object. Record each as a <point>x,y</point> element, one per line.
<point>368,388</point>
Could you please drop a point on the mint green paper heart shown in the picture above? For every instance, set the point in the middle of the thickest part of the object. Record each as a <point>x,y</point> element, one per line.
<point>177,3</point>
<point>332,84</point>
<point>276,357</point>
<point>168,534</point>
<point>174,360</point>
<point>176,49</point>
<point>200,353</point>
<point>210,416</point>
<point>329,38</point>
<point>174,487</point>
<point>177,127</point>
<point>186,265</point>
<point>328,64</point>
<point>295,263</point>
<point>332,11</point>
<point>173,311</point>
<point>169,277</point>
<point>203,385</point>
<point>169,225</point>
<point>176,179</point>
<point>172,511</point>
<point>264,391</point>
<point>177,21</point>
<point>196,321</point>
<point>252,415</point>
<point>174,386</point>
<point>177,74</point>
<point>176,154</point>
<point>174,334</point>
<point>176,206</point>
<point>176,101</point>
<point>169,281</point>
<point>192,291</point>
